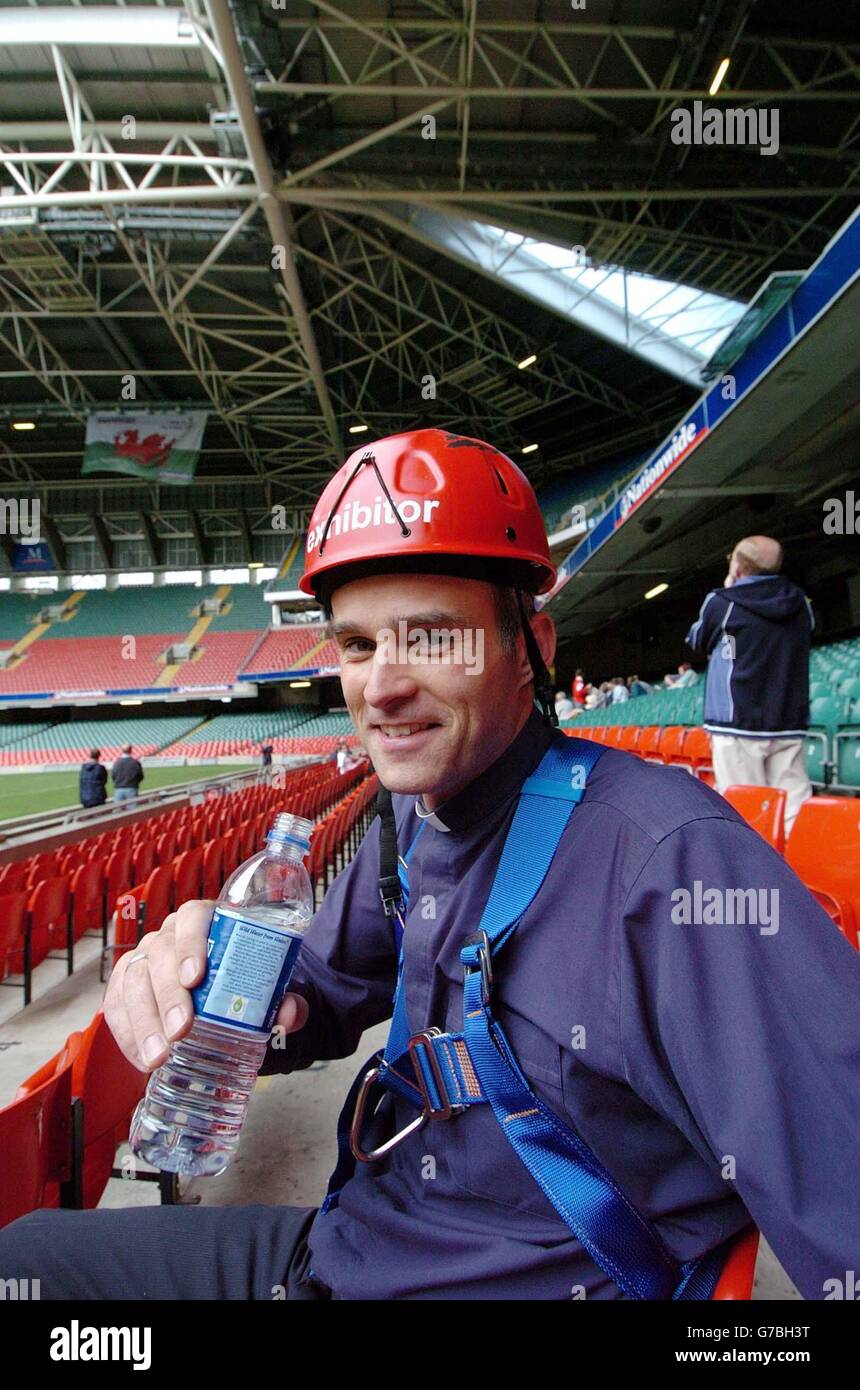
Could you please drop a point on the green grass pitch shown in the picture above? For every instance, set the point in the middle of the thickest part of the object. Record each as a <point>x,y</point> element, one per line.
<point>25,793</point>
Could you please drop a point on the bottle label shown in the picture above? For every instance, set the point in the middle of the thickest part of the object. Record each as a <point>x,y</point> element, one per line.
<point>247,973</point>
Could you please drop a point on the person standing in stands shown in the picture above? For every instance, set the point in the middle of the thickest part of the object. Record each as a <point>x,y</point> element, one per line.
<point>127,775</point>
<point>756,633</point>
<point>579,689</point>
<point>266,750</point>
<point>92,786</point>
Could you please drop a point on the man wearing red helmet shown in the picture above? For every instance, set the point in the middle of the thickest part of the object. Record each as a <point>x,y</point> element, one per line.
<point>621,1028</point>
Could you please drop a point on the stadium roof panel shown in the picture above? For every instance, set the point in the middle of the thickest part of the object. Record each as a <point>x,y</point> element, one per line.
<point>673,326</point>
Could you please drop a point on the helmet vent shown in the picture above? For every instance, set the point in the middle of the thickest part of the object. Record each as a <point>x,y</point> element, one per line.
<point>502,484</point>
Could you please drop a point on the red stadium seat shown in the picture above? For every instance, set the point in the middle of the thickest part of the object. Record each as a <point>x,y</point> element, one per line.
<point>166,847</point>
<point>764,809</point>
<point>119,873</point>
<point>247,840</point>
<point>13,919</point>
<point>36,1139</point>
<point>13,877</point>
<point>109,1088</point>
<point>232,852</point>
<point>48,919</point>
<point>736,1279</point>
<point>213,868</point>
<point>156,898</point>
<point>187,876</point>
<point>126,928</point>
<point>41,866</point>
<point>143,860</point>
<point>670,741</point>
<point>88,898</point>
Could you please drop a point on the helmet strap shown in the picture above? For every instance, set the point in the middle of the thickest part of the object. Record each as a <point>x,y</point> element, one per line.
<point>542,681</point>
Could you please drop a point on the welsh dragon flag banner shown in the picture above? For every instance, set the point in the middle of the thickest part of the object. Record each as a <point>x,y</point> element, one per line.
<point>157,445</point>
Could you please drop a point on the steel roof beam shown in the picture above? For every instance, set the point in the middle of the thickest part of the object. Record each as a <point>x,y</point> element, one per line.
<point>278,218</point>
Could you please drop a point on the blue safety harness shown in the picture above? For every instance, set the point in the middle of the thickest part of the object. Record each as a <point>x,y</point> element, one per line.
<point>445,1074</point>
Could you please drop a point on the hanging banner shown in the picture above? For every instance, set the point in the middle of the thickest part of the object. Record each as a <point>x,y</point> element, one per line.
<point>32,558</point>
<point>158,445</point>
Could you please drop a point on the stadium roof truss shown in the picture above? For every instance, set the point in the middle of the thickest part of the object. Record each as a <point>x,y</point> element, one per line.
<point>296,216</point>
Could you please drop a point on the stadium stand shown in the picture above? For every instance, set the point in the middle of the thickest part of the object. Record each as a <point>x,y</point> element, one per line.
<point>89,648</point>
<point>296,729</point>
<point>832,745</point>
<point>107,664</point>
<point>245,609</point>
<point>220,658</point>
<point>61,744</point>
<point>19,614</point>
<point>142,610</point>
<point>287,649</point>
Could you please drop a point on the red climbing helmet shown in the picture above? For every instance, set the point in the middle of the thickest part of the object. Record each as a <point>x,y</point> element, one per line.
<point>428,494</point>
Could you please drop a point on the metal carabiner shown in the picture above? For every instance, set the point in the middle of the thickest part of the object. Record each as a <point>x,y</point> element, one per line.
<point>367,1084</point>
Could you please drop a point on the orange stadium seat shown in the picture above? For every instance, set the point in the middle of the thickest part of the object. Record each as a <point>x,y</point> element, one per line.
<point>629,738</point>
<point>823,848</point>
<point>649,743</point>
<point>697,756</point>
<point>764,809</point>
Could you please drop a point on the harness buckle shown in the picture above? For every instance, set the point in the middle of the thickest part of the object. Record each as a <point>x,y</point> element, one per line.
<point>423,1040</point>
<point>485,963</point>
<point>391,895</point>
<point>430,1111</point>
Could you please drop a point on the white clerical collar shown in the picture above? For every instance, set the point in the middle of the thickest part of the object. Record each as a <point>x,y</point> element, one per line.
<point>430,817</point>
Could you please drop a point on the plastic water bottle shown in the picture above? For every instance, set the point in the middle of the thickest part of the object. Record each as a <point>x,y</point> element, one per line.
<point>190,1119</point>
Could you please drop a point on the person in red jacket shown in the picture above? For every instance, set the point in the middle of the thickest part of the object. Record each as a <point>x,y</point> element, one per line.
<point>579,689</point>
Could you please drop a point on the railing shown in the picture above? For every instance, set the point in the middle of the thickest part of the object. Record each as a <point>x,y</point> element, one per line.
<point>64,824</point>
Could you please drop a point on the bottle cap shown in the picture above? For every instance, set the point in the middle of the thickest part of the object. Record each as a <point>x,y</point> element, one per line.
<point>291,830</point>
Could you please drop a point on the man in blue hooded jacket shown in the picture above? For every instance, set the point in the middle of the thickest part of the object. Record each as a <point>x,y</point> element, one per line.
<point>756,634</point>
